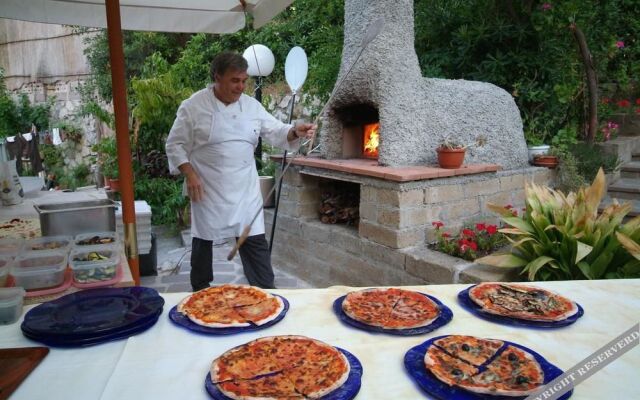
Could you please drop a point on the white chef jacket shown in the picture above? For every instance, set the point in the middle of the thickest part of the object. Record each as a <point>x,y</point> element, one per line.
<point>219,142</point>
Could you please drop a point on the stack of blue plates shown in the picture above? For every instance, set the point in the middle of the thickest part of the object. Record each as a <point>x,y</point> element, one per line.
<point>93,316</point>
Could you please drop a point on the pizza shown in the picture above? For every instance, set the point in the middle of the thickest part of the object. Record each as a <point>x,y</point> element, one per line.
<point>473,350</point>
<point>522,302</point>
<point>280,367</point>
<point>497,369</point>
<point>390,308</point>
<point>231,306</point>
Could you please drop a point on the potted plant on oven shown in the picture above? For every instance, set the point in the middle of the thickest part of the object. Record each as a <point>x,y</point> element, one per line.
<point>451,152</point>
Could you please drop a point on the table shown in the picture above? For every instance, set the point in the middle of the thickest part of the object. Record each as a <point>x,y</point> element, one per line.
<point>168,362</point>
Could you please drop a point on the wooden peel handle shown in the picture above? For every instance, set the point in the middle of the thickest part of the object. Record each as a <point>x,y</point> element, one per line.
<point>239,242</point>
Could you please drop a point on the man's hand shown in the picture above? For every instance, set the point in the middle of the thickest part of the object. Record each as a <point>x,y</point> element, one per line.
<point>195,189</point>
<point>303,130</point>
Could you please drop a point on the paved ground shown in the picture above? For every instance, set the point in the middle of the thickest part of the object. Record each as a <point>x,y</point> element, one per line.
<point>174,266</point>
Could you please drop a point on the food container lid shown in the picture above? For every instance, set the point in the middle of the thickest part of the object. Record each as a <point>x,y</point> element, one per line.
<point>89,257</point>
<point>11,246</point>
<point>45,243</point>
<point>11,296</point>
<point>96,237</point>
<point>31,263</point>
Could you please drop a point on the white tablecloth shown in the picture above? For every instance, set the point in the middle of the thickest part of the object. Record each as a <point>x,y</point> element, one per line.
<point>169,362</point>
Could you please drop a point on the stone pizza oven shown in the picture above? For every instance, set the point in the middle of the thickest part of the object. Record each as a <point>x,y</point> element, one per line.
<point>415,113</point>
<point>377,143</point>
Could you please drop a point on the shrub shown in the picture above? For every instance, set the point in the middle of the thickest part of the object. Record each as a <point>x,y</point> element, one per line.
<point>565,237</point>
<point>471,242</point>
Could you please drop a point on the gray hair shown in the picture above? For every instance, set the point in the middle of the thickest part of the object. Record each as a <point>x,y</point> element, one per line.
<point>227,61</point>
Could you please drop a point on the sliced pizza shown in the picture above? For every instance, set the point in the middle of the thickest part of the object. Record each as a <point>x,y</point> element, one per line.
<point>474,350</point>
<point>446,368</point>
<point>231,306</point>
<point>514,372</point>
<point>390,308</point>
<point>522,302</point>
<point>495,369</point>
<point>280,367</point>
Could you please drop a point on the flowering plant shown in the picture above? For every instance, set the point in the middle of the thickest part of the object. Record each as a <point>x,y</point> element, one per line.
<point>471,242</point>
<point>607,132</point>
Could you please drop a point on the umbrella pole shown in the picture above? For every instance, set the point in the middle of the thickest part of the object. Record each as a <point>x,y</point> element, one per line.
<point>116,54</point>
<point>284,162</point>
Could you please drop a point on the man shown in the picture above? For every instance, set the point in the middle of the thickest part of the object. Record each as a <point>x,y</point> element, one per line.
<point>212,143</point>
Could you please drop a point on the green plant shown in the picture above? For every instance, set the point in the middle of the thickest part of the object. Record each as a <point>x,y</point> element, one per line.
<point>107,151</point>
<point>590,158</point>
<point>70,130</point>
<point>51,156</point>
<point>471,242</point>
<point>566,237</point>
<point>164,195</point>
<point>453,144</point>
<point>569,178</point>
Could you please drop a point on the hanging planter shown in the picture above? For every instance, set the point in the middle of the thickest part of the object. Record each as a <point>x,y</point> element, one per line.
<point>450,158</point>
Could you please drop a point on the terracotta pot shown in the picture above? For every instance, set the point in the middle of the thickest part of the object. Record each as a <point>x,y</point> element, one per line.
<point>450,158</point>
<point>114,184</point>
<point>545,161</point>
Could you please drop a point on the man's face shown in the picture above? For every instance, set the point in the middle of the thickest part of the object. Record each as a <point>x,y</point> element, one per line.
<point>230,86</point>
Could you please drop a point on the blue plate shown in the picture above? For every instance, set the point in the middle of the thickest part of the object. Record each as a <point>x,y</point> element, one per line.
<point>184,321</point>
<point>414,363</point>
<point>92,341</point>
<point>445,316</point>
<point>469,305</point>
<point>347,391</point>
<point>93,312</point>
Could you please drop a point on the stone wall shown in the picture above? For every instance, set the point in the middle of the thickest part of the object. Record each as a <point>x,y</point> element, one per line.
<point>390,245</point>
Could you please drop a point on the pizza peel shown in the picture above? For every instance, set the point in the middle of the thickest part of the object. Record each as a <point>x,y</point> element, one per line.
<point>372,32</point>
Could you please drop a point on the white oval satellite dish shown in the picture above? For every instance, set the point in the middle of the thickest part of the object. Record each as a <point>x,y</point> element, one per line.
<point>296,68</point>
<point>260,59</point>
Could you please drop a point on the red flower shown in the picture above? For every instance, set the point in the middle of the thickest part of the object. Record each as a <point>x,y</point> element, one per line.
<point>514,213</point>
<point>638,101</point>
<point>437,224</point>
<point>508,206</point>
<point>468,232</point>
<point>446,235</point>
<point>481,227</point>
<point>492,229</point>
<point>623,103</point>
<point>473,245</point>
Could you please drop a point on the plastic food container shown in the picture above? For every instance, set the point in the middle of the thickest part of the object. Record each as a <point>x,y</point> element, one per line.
<point>96,238</point>
<point>39,269</point>
<point>5,263</point>
<point>94,263</point>
<point>11,304</point>
<point>11,246</point>
<point>48,243</point>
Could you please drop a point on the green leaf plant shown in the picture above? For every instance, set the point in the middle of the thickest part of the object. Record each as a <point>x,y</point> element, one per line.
<point>565,237</point>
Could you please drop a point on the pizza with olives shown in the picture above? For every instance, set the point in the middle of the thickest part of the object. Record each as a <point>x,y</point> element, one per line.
<point>484,366</point>
<point>522,302</point>
<point>280,367</point>
<point>231,306</point>
<point>390,308</point>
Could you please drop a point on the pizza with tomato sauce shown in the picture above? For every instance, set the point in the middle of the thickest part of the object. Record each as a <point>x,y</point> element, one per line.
<point>390,308</point>
<point>522,302</point>
<point>280,367</point>
<point>484,366</point>
<point>231,306</point>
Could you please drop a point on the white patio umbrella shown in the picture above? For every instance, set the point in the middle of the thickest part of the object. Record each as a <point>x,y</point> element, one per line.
<point>210,16</point>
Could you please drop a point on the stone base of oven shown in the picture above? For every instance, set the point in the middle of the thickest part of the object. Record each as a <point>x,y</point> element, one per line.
<point>390,245</point>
